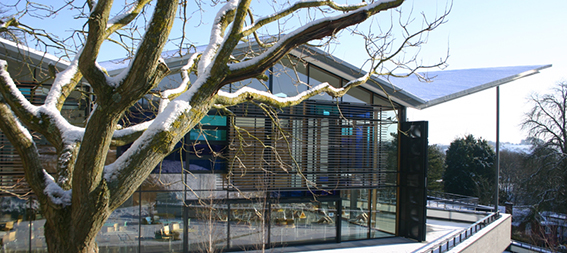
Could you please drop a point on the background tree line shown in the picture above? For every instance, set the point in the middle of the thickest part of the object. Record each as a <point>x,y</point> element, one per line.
<point>533,180</point>
<point>536,177</point>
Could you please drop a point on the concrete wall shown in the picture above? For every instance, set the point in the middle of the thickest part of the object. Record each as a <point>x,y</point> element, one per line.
<point>493,238</point>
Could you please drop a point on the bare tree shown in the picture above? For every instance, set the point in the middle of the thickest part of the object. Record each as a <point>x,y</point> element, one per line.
<point>84,191</point>
<point>547,119</point>
<point>546,166</point>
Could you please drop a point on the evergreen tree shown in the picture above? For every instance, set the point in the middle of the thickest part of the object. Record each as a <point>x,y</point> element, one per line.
<point>470,168</point>
<point>436,168</point>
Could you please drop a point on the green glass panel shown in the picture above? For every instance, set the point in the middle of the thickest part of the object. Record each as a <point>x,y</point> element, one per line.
<point>214,120</point>
<point>208,134</point>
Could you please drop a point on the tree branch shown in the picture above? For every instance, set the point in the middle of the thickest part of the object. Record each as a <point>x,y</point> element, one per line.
<point>147,68</point>
<point>21,106</point>
<point>64,83</point>
<point>130,134</point>
<point>297,6</point>
<point>96,35</point>
<point>314,30</point>
<point>223,18</point>
<point>168,95</point>
<point>246,94</point>
<point>124,19</point>
<point>23,142</point>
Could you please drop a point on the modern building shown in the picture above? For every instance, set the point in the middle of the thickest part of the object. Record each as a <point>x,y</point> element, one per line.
<point>249,177</point>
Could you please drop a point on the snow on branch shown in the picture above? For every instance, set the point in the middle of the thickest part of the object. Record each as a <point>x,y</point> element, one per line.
<point>127,135</point>
<point>35,115</point>
<point>167,95</point>
<point>123,19</point>
<point>249,94</point>
<point>68,77</point>
<point>55,193</point>
<point>163,122</point>
<point>217,35</point>
<point>20,105</point>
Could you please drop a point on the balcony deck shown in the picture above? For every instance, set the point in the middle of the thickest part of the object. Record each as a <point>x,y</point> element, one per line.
<point>438,231</point>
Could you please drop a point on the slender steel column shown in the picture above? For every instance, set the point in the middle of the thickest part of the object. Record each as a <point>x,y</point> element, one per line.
<point>496,182</point>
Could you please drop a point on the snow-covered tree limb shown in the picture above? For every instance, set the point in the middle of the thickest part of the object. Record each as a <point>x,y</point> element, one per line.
<point>64,83</point>
<point>125,18</point>
<point>246,94</point>
<point>130,134</point>
<point>25,145</point>
<point>14,97</point>
<point>224,15</point>
<point>168,95</point>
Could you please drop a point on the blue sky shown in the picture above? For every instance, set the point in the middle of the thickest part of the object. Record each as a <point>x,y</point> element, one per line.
<point>492,34</point>
<point>478,34</point>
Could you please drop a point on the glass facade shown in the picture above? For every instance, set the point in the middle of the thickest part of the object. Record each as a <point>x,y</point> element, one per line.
<point>322,171</point>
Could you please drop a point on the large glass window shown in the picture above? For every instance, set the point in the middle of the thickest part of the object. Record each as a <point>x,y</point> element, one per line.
<point>293,223</point>
<point>383,212</point>
<point>207,144</point>
<point>121,231</point>
<point>15,224</point>
<point>248,225</point>
<point>368,213</point>
<point>161,223</point>
<point>355,211</point>
<point>207,225</point>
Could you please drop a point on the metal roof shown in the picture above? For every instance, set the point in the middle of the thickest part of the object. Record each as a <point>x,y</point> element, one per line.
<point>447,85</point>
<point>444,86</point>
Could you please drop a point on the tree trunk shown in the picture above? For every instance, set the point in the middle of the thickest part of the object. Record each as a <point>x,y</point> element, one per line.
<point>63,234</point>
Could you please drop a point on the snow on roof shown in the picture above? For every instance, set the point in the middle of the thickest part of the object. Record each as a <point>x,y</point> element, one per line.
<point>447,85</point>
<point>36,56</point>
<point>116,65</point>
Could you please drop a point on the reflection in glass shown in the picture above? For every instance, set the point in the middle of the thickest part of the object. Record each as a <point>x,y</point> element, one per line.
<point>120,232</point>
<point>208,134</point>
<point>14,224</point>
<point>161,228</point>
<point>206,226</point>
<point>384,213</point>
<point>355,219</point>
<point>302,222</point>
<point>248,225</point>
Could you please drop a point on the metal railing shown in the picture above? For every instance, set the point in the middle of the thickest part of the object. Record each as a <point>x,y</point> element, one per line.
<point>528,246</point>
<point>449,243</point>
<point>451,201</point>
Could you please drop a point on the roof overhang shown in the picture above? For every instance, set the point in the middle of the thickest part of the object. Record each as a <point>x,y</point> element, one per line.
<point>348,71</point>
<point>18,52</point>
<point>447,85</point>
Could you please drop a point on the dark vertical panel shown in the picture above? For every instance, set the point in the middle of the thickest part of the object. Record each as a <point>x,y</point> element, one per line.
<point>413,180</point>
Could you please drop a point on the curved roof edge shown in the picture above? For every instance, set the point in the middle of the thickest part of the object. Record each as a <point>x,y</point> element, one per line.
<point>36,57</point>
<point>485,86</point>
<point>446,85</point>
